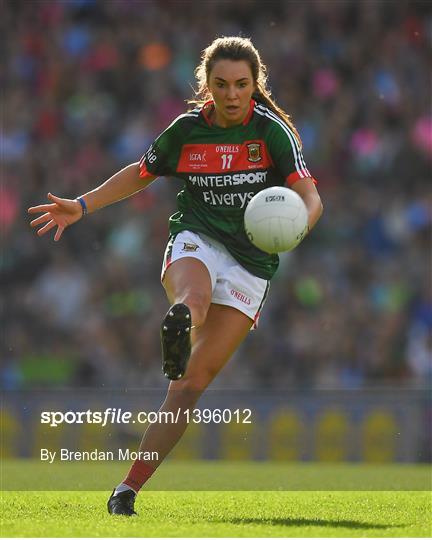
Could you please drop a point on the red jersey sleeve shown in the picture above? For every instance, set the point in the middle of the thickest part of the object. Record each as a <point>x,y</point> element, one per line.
<point>293,177</point>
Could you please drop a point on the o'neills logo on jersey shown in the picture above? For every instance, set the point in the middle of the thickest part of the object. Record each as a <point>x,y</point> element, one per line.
<point>228,148</point>
<point>150,155</point>
<point>240,296</point>
<point>254,152</point>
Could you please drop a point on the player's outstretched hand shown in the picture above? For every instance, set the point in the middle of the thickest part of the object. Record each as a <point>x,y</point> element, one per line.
<point>60,213</point>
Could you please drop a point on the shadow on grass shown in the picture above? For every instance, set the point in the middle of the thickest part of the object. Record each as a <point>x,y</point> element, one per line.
<point>288,522</point>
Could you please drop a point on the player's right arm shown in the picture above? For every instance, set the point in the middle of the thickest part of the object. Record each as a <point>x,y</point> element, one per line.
<point>62,213</point>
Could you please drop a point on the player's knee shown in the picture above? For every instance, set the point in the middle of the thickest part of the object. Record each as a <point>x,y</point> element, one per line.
<point>199,304</point>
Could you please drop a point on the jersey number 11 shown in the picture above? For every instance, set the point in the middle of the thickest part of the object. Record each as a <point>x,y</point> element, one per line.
<point>226,161</point>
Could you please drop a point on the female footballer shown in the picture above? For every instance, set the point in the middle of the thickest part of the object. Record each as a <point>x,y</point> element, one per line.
<point>233,142</point>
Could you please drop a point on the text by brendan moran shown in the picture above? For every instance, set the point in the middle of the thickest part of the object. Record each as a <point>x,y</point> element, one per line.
<point>120,454</point>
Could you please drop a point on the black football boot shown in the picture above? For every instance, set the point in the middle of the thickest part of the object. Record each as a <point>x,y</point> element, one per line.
<point>122,504</point>
<point>176,341</point>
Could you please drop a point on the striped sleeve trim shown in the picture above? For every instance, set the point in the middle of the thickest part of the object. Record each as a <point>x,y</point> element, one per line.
<point>299,162</point>
<point>293,177</point>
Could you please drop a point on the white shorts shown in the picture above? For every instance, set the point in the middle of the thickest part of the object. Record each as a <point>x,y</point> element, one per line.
<point>232,285</point>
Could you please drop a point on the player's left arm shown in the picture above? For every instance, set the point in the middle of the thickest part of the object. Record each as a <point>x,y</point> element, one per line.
<point>307,190</point>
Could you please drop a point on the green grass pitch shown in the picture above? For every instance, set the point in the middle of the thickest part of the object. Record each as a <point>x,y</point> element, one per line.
<point>226,513</point>
<point>220,514</point>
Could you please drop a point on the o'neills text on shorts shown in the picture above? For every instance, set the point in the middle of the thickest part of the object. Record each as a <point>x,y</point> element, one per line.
<point>120,454</point>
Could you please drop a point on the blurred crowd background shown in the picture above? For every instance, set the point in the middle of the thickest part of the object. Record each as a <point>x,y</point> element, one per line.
<point>86,87</point>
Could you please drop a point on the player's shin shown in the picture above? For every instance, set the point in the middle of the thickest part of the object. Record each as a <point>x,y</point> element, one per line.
<point>161,437</point>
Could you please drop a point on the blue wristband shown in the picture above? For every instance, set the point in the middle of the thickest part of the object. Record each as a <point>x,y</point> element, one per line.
<point>83,205</point>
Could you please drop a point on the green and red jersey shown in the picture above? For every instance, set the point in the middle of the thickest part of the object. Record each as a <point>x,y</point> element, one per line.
<point>223,168</point>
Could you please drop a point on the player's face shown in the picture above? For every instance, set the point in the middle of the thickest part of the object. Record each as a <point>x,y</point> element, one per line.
<point>231,86</point>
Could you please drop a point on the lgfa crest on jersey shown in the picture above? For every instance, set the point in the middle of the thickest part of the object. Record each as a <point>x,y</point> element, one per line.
<point>254,152</point>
